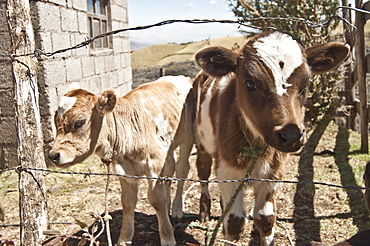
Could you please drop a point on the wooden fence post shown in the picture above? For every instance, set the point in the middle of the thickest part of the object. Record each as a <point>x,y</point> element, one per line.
<point>361,76</point>
<point>33,207</point>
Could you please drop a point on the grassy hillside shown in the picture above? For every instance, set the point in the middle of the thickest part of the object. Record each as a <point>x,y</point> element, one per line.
<point>162,54</point>
<point>149,56</point>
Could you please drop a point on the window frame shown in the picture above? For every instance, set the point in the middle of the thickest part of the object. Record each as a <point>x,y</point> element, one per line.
<point>96,17</point>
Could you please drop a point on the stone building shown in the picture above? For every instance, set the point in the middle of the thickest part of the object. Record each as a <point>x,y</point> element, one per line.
<point>60,24</point>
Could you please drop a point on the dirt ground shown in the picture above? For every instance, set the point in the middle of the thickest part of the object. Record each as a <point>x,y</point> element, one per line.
<point>305,212</point>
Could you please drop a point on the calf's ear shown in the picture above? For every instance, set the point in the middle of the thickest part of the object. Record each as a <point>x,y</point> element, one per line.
<point>106,101</point>
<point>217,61</point>
<point>325,57</point>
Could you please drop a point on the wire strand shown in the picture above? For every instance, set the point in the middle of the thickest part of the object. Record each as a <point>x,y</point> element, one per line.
<point>169,179</point>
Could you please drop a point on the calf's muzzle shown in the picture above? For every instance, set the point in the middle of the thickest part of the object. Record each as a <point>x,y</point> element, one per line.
<point>290,138</point>
<point>54,157</point>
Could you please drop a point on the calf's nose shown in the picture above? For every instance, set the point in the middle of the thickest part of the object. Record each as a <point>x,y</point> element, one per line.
<point>290,138</point>
<point>54,156</point>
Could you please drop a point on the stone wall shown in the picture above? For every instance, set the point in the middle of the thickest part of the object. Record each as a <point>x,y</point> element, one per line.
<point>8,133</point>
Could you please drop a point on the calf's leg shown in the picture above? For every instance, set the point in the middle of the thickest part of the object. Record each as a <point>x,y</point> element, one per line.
<point>168,171</point>
<point>234,221</point>
<point>129,200</point>
<point>182,170</point>
<point>264,214</point>
<point>204,165</point>
<point>158,198</point>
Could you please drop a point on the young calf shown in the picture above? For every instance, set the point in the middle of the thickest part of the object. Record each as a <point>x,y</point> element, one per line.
<point>137,134</point>
<point>254,97</point>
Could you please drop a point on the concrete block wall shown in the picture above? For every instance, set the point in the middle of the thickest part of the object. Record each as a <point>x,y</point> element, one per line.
<point>8,133</point>
<point>61,24</point>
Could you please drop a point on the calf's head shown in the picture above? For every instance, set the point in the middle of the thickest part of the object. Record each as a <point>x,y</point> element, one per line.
<point>78,122</point>
<point>271,73</point>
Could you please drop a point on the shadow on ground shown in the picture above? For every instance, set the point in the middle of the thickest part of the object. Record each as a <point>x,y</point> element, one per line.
<point>146,230</point>
<point>306,224</point>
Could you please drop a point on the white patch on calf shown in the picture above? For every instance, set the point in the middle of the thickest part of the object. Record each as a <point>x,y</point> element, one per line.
<point>224,82</point>
<point>262,169</point>
<point>205,129</point>
<point>251,127</point>
<point>225,172</point>
<point>121,170</point>
<point>117,169</point>
<point>267,209</point>
<point>143,101</point>
<point>268,240</point>
<point>66,103</point>
<point>163,129</point>
<point>282,54</point>
<point>181,82</point>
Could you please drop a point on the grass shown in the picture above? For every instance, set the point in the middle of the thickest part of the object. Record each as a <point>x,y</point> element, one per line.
<point>149,56</point>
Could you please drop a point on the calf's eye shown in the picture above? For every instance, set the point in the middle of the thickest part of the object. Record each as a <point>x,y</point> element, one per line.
<point>79,123</point>
<point>250,85</point>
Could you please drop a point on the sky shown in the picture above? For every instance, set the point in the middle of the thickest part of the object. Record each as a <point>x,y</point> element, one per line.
<point>147,12</point>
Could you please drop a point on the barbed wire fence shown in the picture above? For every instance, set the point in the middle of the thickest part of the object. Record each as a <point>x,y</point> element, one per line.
<point>212,230</point>
<point>240,23</point>
<point>170,179</point>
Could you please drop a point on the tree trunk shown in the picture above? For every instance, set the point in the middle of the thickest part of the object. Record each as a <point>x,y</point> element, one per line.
<point>361,76</point>
<point>33,207</point>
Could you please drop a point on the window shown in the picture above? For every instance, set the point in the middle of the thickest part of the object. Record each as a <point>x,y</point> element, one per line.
<point>98,22</point>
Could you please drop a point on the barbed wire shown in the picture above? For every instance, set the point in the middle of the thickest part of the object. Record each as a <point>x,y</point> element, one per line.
<point>170,179</point>
<point>239,22</point>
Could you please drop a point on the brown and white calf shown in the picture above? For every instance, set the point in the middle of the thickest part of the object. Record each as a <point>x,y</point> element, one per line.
<point>255,95</point>
<point>137,134</point>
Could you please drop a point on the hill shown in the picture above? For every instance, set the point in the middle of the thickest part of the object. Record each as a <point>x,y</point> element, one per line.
<point>162,54</point>
<point>138,45</point>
